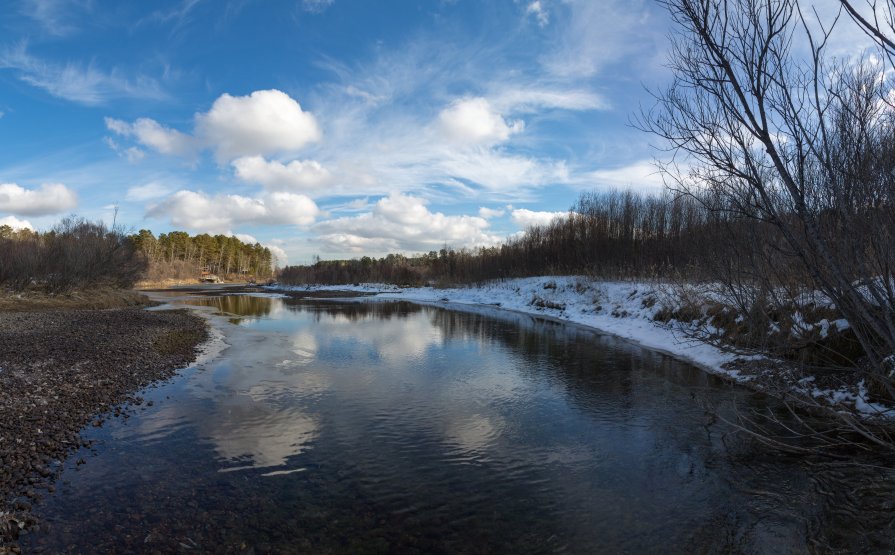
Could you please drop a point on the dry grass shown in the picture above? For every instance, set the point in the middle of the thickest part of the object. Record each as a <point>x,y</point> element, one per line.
<point>164,283</point>
<point>99,298</point>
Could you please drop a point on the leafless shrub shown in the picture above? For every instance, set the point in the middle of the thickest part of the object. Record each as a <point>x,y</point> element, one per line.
<point>76,254</point>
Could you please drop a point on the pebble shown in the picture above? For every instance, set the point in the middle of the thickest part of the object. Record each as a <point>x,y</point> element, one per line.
<point>61,372</point>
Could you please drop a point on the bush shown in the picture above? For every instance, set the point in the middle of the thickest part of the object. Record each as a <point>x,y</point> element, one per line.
<point>76,254</point>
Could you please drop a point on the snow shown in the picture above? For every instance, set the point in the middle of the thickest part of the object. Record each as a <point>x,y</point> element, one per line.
<point>625,309</point>
<point>618,308</point>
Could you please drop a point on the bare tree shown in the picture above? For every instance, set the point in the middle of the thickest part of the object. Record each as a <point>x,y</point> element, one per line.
<point>763,121</point>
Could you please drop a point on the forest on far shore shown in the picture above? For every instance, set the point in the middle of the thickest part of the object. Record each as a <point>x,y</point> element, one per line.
<point>178,255</point>
<point>78,254</point>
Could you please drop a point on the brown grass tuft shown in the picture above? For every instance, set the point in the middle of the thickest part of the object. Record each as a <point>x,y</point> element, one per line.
<point>95,299</point>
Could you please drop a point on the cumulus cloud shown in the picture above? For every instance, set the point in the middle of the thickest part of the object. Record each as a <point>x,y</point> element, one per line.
<point>473,120</point>
<point>49,198</point>
<point>152,134</point>
<point>525,218</point>
<point>15,223</point>
<point>294,176</point>
<point>402,223</point>
<point>220,213</point>
<point>264,122</point>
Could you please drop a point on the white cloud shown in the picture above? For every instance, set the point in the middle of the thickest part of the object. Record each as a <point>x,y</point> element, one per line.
<point>281,257</point>
<point>525,218</point>
<point>639,175</point>
<point>522,99</point>
<point>49,198</point>
<point>497,171</point>
<point>148,191</point>
<point>265,122</point>
<point>402,223</point>
<point>245,238</point>
<point>150,133</point>
<point>583,53</point>
<point>132,154</point>
<point>473,120</point>
<point>536,9</point>
<point>220,213</point>
<point>316,6</point>
<point>294,176</point>
<point>16,223</point>
<point>85,84</point>
<point>489,213</point>
<point>57,17</point>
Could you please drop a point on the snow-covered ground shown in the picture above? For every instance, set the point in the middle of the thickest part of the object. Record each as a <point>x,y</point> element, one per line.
<point>625,309</point>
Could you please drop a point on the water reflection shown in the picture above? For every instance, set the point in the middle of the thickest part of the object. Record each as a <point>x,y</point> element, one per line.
<point>240,306</point>
<point>389,427</point>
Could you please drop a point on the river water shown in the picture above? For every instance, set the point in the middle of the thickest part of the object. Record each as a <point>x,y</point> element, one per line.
<point>350,427</point>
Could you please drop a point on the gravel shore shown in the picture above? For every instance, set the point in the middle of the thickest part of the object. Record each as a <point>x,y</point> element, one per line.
<point>63,369</point>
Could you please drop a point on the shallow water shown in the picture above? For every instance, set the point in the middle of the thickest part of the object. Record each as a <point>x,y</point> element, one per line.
<point>327,427</point>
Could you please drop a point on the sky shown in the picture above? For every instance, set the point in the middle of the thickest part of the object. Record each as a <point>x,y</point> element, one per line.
<point>335,128</point>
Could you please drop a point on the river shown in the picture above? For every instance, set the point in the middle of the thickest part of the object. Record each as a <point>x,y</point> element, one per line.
<point>341,426</point>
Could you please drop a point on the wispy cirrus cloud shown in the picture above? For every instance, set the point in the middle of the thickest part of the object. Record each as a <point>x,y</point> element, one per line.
<point>78,82</point>
<point>56,17</point>
<point>637,30</point>
<point>316,6</point>
<point>148,191</point>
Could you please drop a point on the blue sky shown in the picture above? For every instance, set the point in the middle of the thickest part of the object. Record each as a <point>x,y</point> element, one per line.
<point>337,128</point>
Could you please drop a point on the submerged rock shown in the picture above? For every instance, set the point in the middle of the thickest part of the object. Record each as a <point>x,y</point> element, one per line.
<point>61,370</point>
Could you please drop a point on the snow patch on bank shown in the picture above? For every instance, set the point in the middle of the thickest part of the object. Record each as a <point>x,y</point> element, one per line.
<point>623,309</point>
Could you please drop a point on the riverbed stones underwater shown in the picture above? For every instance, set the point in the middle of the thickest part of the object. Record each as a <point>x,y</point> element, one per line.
<point>59,369</point>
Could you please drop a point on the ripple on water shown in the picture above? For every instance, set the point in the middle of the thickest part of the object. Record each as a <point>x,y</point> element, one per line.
<point>327,427</point>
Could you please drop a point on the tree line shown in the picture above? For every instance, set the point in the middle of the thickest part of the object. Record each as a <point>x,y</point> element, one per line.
<point>181,256</point>
<point>75,254</point>
<point>608,234</point>
<point>80,254</point>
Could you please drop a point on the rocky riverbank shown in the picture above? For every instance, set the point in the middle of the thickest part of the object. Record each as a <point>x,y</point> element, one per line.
<point>63,369</point>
